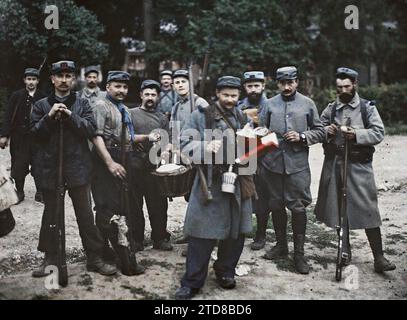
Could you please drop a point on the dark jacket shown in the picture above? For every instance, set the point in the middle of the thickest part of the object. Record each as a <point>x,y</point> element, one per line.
<point>78,129</point>
<point>19,103</point>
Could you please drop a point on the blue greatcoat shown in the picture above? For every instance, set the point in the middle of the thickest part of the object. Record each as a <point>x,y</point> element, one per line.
<point>227,215</point>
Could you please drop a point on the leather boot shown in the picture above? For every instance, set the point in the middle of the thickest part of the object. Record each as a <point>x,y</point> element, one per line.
<point>381,264</point>
<point>280,250</point>
<point>49,260</point>
<point>300,262</point>
<point>260,239</point>
<point>128,264</point>
<point>96,264</point>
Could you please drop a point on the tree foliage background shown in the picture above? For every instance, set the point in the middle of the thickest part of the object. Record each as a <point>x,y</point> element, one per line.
<point>246,34</point>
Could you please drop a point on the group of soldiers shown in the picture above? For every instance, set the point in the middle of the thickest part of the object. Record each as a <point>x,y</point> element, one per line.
<point>94,121</point>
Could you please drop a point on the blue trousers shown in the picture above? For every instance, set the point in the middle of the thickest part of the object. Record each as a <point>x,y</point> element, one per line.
<point>199,254</point>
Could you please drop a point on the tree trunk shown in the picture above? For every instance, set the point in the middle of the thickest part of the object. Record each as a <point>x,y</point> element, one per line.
<point>151,65</point>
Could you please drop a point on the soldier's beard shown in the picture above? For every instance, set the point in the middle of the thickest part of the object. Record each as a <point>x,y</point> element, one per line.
<point>149,104</point>
<point>347,97</point>
<point>254,97</point>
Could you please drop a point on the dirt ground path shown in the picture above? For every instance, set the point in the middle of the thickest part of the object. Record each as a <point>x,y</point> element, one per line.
<point>260,279</point>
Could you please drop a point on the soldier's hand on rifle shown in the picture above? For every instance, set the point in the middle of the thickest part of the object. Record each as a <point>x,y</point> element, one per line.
<point>214,146</point>
<point>349,133</point>
<point>117,170</point>
<point>332,129</point>
<point>65,112</point>
<point>3,142</point>
<point>59,110</point>
<point>292,136</point>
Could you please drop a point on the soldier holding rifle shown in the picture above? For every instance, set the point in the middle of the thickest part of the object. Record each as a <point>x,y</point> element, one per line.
<point>114,140</point>
<point>64,108</point>
<point>364,130</point>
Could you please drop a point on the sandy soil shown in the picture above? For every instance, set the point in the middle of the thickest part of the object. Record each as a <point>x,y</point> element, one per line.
<point>260,279</point>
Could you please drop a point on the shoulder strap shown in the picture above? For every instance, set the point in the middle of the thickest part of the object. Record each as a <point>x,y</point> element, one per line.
<point>333,112</point>
<point>208,112</point>
<point>225,118</point>
<point>363,111</point>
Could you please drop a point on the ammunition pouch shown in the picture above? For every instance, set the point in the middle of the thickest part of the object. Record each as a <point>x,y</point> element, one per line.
<point>357,154</point>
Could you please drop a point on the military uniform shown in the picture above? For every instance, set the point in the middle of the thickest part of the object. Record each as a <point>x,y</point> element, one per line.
<point>76,172</point>
<point>362,211</point>
<point>248,107</point>
<point>92,95</point>
<point>183,109</point>
<point>145,186</point>
<point>284,174</point>
<point>227,217</point>
<point>16,126</point>
<point>106,188</point>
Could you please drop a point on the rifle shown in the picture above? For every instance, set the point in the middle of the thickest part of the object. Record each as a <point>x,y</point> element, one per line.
<point>342,228</point>
<point>60,212</point>
<point>129,262</point>
<point>205,68</point>
<point>205,187</point>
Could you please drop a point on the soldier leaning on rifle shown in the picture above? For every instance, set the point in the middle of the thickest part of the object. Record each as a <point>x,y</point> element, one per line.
<point>15,129</point>
<point>227,218</point>
<point>79,126</point>
<point>148,123</point>
<point>109,172</point>
<point>367,131</point>
<point>284,174</point>
<point>91,91</point>
<point>168,97</point>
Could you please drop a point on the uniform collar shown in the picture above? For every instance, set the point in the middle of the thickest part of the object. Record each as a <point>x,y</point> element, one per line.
<point>289,98</point>
<point>88,93</point>
<point>185,98</point>
<point>353,103</point>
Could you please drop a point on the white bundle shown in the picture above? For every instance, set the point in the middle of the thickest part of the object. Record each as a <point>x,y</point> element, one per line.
<point>8,194</point>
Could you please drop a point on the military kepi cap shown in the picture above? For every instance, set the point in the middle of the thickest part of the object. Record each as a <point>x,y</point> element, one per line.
<point>228,82</point>
<point>166,73</point>
<point>118,76</point>
<point>150,84</point>
<point>31,72</point>
<point>346,72</point>
<point>286,73</point>
<point>63,66</point>
<point>90,69</point>
<point>180,73</point>
<point>253,76</point>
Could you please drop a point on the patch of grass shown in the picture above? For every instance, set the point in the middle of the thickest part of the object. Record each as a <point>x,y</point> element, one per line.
<point>322,260</point>
<point>144,293</point>
<point>86,280</point>
<point>394,226</point>
<point>152,262</point>
<point>391,252</point>
<point>396,237</point>
<point>396,129</point>
<point>285,265</point>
